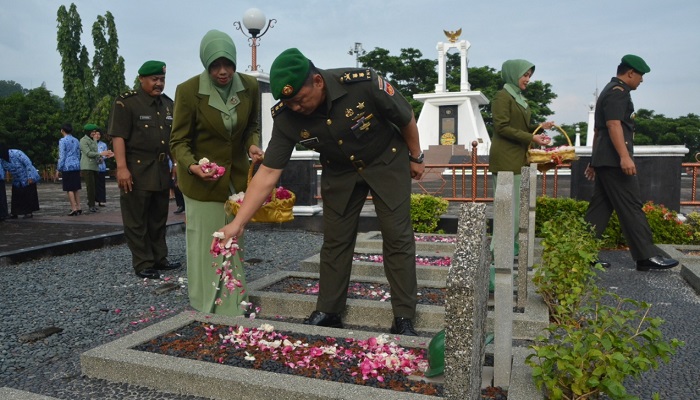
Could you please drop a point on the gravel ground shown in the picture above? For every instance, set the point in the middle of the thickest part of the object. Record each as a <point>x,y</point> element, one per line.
<point>94,297</point>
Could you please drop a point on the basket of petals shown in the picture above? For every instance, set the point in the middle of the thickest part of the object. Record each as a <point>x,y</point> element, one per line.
<point>276,208</point>
<point>551,156</point>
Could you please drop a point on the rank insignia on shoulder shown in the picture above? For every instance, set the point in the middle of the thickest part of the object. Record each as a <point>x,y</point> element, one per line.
<point>356,75</point>
<point>277,108</point>
<point>618,88</point>
<point>128,94</point>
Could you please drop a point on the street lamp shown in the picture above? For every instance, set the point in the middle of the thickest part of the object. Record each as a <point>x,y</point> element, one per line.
<point>254,22</point>
<point>357,51</point>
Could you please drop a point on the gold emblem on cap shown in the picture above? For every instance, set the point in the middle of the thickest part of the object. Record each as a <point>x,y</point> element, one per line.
<point>287,90</point>
<point>163,68</point>
<point>305,134</point>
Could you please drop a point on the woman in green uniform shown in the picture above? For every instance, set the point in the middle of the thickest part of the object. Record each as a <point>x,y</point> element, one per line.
<point>216,117</point>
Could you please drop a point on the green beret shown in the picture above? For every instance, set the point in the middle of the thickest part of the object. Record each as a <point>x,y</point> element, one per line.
<point>90,127</point>
<point>636,63</point>
<point>288,74</point>
<point>152,68</point>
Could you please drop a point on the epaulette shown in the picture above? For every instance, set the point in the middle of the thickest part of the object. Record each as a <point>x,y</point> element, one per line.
<point>356,75</point>
<point>277,108</point>
<point>128,94</point>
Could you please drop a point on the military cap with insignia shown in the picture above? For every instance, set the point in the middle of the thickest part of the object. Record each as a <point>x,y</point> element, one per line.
<point>636,63</point>
<point>152,67</point>
<point>90,127</point>
<point>288,74</point>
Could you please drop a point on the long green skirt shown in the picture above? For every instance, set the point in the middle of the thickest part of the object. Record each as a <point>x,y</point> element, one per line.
<point>207,292</point>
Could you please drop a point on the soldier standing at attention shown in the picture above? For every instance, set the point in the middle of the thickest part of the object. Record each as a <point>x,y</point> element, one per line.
<point>140,124</point>
<point>367,136</point>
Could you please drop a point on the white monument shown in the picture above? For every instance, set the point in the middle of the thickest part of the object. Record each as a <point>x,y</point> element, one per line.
<point>453,118</point>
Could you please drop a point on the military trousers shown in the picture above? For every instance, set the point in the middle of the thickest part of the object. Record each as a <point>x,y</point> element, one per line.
<point>613,190</point>
<point>399,251</point>
<point>90,177</point>
<point>145,214</point>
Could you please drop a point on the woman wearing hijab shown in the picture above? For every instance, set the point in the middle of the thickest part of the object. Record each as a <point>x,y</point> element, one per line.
<point>25,199</point>
<point>69,167</point>
<point>215,117</point>
<point>512,129</point>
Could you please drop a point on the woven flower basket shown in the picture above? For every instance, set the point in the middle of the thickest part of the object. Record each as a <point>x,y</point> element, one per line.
<point>275,210</point>
<point>553,155</point>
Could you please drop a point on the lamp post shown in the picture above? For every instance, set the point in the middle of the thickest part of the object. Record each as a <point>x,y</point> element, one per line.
<point>357,51</point>
<point>254,22</point>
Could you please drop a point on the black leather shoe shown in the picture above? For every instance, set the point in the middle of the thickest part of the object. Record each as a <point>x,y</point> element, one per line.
<point>403,326</point>
<point>179,210</point>
<point>148,273</point>
<point>167,266</point>
<point>27,216</point>
<point>656,262</point>
<point>319,318</point>
<point>603,264</point>
<point>93,209</point>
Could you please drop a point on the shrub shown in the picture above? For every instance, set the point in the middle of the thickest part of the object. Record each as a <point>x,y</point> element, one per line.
<point>612,342</point>
<point>565,276</point>
<point>597,339</point>
<point>666,227</point>
<point>665,224</point>
<point>426,211</point>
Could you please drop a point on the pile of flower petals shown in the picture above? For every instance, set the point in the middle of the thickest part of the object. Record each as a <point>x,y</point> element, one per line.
<point>440,261</point>
<point>208,166</point>
<point>436,239</point>
<point>373,357</point>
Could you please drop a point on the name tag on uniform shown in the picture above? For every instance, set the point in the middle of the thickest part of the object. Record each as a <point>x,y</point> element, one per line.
<point>169,117</point>
<point>145,117</point>
<point>308,142</point>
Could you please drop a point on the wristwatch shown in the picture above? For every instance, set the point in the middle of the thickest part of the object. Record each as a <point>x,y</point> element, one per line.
<point>418,159</point>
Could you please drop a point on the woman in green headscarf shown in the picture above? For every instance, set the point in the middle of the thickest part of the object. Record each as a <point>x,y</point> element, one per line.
<point>215,117</point>
<point>512,129</point>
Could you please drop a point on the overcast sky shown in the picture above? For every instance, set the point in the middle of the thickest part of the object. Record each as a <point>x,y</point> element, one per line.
<point>575,45</point>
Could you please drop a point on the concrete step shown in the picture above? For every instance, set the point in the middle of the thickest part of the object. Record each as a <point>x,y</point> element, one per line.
<point>373,240</point>
<point>378,315</point>
<point>368,268</point>
<point>117,361</point>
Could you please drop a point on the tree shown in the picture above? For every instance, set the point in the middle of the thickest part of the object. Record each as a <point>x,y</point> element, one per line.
<point>107,65</point>
<point>9,87</point>
<point>30,123</point>
<point>74,64</point>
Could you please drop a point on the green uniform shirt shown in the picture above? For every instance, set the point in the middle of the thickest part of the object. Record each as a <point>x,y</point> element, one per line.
<point>144,122</point>
<point>356,131</point>
<point>89,155</point>
<point>614,103</point>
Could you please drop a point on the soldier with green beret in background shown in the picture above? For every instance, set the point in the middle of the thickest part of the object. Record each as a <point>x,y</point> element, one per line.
<point>140,124</point>
<point>367,137</point>
<point>613,168</point>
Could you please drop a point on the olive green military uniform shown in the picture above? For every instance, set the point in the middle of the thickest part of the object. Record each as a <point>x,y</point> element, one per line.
<point>356,131</point>
<point>144,122</point>
<point>89,166</point>
<point>613,190</point>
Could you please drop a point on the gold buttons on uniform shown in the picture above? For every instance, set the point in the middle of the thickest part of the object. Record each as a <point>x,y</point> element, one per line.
<point>138,161</point>
<point>352,158</point>
<point>340,142</point>
<point>360,169</point>
<point>162,142</point>
<point>393,149</point>
<point>328,121</point>
<point>146,125</point>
